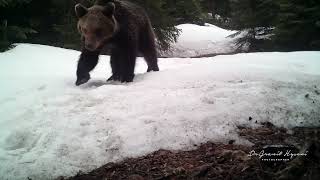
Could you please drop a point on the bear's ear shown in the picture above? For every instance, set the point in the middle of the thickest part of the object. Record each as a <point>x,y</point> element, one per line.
<point>109,9</point>
<point>80,10</point>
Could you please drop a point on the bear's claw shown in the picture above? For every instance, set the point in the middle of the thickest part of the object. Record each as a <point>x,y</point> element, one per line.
<point>82,81</point>
<point>114,78</point>
<point>128,78</point>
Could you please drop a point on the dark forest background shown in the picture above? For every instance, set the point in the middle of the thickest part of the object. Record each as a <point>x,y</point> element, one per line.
<point>287,24</point>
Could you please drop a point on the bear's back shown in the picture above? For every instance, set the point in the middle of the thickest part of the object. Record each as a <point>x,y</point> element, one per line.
<point>128,13</point>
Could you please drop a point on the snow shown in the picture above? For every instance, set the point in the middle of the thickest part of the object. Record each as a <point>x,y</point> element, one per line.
<point>50,128</point>
<point>195,40</point>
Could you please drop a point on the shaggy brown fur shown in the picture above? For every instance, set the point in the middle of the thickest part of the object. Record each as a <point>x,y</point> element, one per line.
<point>121,24</point>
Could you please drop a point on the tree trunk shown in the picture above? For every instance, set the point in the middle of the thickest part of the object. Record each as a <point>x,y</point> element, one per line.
<point>5,25</point>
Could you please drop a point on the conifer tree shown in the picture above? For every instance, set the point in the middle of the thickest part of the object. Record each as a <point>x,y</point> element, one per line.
<point>256,17</point>
<point>11,30</point>
<point>184,11</point>
<point>299,25</point>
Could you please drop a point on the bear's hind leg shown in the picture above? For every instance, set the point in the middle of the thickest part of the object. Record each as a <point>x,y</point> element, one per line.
<point>151,58</point>
<point>148,49</point>
<point>88,61</point>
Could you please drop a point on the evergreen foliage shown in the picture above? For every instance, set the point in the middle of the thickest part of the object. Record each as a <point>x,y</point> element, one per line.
<point>257,18</point>
<point>294,24</point>
<point>217,12</point>
<point>53,22</point>
<point>253,13</point>
<point>11,30</point>
<point>299,25</point>
<point>184,11</point>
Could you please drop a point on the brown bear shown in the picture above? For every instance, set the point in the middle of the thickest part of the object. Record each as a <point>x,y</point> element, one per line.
<point>121,24</point>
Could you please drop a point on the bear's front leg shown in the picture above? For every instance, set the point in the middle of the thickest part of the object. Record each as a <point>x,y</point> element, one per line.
<point>88,61</point>
<point>128,63</point>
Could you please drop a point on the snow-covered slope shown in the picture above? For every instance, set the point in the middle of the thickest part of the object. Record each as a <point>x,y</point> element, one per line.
<point>49,127</point>
<point>196,40</point>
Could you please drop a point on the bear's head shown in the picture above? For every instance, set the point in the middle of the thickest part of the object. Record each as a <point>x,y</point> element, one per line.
<point>96,24</point>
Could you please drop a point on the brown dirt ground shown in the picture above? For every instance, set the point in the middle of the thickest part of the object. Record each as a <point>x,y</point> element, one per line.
<point>222,161</point>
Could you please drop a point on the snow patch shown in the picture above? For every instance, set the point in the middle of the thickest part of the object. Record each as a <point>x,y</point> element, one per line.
<point>196,40</point>
<point>49,127</point>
